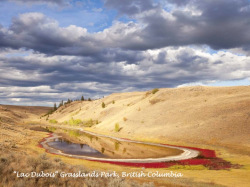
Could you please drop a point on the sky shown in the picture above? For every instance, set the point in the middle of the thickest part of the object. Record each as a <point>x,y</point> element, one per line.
<point>52,50</point>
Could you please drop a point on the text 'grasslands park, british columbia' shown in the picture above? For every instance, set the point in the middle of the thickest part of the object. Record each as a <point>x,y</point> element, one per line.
<point>125,93</point>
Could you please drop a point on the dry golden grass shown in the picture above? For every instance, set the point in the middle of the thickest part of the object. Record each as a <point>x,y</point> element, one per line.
<point>20,114</point>
<point>210,115</point>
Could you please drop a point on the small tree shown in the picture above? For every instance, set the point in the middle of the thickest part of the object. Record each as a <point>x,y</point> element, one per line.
<point>117,127</point>
<point>55,107</point>
<point>82,98</point>
<point>68,101</point>
<point>89,99</point>
<point>103,105</point>
<point>60,104</point>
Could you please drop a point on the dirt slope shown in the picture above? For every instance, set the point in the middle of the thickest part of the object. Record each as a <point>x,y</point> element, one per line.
<point>213,115</point>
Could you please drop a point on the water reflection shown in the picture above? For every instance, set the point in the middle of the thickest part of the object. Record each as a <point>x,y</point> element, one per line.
<point>74,148</point>
<point>98,146</point>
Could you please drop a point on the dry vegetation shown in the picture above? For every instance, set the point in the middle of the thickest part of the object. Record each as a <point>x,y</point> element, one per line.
<point>20,114</point>
<point>10,162</point>
<point>209,115</point>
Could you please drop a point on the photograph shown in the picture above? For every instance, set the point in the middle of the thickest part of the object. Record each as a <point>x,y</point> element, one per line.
<point>125,93</point>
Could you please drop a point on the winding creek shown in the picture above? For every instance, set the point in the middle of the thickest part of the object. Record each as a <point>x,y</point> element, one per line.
<point>81,144</point>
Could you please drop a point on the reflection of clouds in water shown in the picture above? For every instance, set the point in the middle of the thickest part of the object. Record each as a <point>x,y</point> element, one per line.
<point>67,146</point>
<point>88,149</point>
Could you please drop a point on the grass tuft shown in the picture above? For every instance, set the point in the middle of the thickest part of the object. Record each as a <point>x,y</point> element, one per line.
<point>155,90</point>
<point>73,121</point>
<point>53,121</point>
<point>117,127</point>
<point>89,123</point>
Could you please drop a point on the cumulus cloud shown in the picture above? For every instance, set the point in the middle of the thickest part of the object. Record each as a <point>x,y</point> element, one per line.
<point>58,77</point>
<point>219,24</point>
<point>37,32</point>
<point>160,47</point>
<point>130,7</point>
<point>40,33</point>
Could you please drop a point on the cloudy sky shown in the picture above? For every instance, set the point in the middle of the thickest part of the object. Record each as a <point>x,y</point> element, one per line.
<point>52,50</point>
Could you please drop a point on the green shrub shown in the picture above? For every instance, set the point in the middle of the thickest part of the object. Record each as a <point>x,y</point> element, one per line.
<point>117,127</point>
<point>113,102</point>
<point>53,121</point>
<point>89,123</point>
<point>155,90</point>
<point>103,105</point>
<point>73,121</point>
<point>117,146</point>
<point>74,133</point>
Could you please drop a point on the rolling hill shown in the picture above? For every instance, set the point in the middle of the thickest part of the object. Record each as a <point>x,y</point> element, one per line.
<point>206,115</point>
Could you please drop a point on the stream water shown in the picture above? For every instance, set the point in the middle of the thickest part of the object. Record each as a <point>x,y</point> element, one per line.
<point>76,142</point>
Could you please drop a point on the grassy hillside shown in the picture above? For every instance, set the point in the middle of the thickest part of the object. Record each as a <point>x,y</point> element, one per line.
<point>213,115</point>
<point>19,114</point>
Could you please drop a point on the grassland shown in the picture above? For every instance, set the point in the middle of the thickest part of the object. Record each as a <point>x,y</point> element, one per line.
<point>204,117</point>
